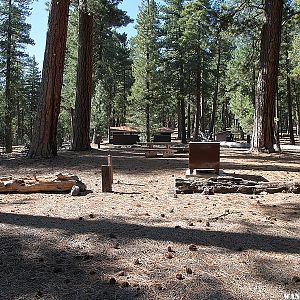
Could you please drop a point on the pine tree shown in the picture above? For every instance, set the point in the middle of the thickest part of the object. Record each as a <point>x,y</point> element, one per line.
<point>82,112</point>
<point>113,78</point>
<point>173,58</point>
<point>14,32</point>
<point>106,59</point>
<point>263,130</point>
<point>145,91</point>
<point>32,94</point>
<point>44,143</point>
<point>196,38</point>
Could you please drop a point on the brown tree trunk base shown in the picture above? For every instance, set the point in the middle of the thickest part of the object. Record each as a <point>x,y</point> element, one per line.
<point>228,184</point>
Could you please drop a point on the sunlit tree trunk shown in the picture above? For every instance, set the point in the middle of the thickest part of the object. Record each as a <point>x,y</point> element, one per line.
<point>8,90</point>
<point>82,113</point>
<point>264,122</point>
<point>44,142</point>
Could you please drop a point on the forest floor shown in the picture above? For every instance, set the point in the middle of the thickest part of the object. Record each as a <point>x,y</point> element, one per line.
<point>145,242</point>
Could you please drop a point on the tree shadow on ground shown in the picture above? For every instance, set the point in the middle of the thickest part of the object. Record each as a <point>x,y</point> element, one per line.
<point>260,167</point>
<point>48,268</point>
<point>282,211</point>
<point>128,160</point>
<point>228,240</point>
<point>123,161</point>
<point>269,270</point>
<point>246,176</point>
<point>34,269</point>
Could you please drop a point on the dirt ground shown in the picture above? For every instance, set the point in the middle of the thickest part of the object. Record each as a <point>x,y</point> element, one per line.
<point>145,242</point>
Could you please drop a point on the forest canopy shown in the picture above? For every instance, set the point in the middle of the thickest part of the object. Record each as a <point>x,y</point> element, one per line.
<point>197,66</point>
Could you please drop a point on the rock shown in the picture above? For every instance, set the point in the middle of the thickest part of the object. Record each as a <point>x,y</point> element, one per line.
<point>81,186</point>
<point>75,191</point>
<point>188,270</point>
<point>169,256</point>
<point>193,247</point>
<point>112,280</point>
<point>179,276</point>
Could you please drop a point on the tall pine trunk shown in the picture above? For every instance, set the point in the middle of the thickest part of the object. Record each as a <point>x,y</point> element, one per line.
<point>8,90</point>
<point>188,134</point>
<point>289,92</point>
<point>216,91</point>
<point>82,114</point>
<point>199,104</point>
<point>263,130</point>
<point>182,103</point>
<point>44,142</point>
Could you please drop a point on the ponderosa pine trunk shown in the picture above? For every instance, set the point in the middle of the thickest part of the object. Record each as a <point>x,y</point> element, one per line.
<point>8,136</point>
<point>216,90</point>
<point>289,92</point>
<point>44,142</point>
<point>182,102</point>
<point>199,104</point>
<point>188,133</point>
<point>264,123</point>
<point>82,113</point>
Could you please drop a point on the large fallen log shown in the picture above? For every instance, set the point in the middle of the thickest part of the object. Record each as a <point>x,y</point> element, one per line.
<point>59,183</point>
<point>229,184</point>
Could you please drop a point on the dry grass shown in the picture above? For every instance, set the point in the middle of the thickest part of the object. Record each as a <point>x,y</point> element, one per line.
<point>55,246</point>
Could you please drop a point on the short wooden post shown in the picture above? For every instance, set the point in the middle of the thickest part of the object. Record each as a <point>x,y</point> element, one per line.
<point>106,179</point>
<point>109,161</point>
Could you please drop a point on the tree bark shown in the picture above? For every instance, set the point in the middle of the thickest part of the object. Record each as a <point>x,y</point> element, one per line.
<point>147,113</point>
<point>182,103</point>
<point>288,91</point>
<point>216,91</point>
<point>8,77</point>
<point>188,134</point>
<point>44,142</point>
<point>263,129</point>
<point>199,104</point>
<point>82,114</point>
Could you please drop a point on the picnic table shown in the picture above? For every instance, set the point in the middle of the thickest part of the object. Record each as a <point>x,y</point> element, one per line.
<point>153,148</point>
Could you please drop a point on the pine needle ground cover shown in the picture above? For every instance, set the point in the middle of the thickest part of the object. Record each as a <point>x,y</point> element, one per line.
<point>144,241</point>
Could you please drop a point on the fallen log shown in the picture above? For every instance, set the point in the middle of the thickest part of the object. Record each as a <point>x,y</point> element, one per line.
<point>60,183</point>
<point>229,184</point>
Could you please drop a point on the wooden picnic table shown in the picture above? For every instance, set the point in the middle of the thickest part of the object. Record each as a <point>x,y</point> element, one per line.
<point>153,148</point>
